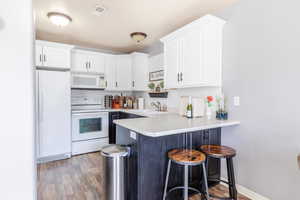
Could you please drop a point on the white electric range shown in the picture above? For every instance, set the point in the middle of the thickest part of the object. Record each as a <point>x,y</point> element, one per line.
<point>89,128</point>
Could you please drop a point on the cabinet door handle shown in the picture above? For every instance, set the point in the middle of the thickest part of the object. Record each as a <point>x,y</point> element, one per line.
<point>132,83</point>
<point>116,84</point>
<point>105,83</point>
<point>89,64</point>
<point>45,58</point>
<point>41,58</point>
<point>178,77</point>
<point>181,74</point>
<point>86,66</point>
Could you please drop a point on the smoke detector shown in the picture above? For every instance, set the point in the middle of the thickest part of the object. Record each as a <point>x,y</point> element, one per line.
<point>99,10</point>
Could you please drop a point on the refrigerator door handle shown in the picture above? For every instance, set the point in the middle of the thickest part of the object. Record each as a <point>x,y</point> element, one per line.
<point>41,106</point>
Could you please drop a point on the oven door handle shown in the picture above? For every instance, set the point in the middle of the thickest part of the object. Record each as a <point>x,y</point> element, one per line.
<point>100,114</point>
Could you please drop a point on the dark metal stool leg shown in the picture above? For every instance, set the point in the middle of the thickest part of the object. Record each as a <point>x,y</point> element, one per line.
<point>205,181</point>
<point>231,179</point>
<point>167,180</point>
<point>186,182</point>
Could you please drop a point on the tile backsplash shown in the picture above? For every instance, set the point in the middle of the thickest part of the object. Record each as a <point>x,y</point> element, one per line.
<point>173,100</point>
<point>92,96</point>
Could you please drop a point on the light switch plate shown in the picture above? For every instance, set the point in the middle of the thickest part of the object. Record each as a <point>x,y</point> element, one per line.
<point>236,101</point>
<point>133,135</point>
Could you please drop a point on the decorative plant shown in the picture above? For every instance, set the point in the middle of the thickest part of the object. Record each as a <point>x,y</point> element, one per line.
<point>151,86</point>
<point>221,103</point>
<point>161,84</point>
<point>209,100</point>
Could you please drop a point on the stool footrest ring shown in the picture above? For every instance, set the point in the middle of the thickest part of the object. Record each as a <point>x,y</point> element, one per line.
<point>220,198</point>
<point>181,188</point>
<point>218,180</point>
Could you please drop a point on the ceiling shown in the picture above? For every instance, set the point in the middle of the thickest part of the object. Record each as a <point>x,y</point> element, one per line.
<point>111,29</point>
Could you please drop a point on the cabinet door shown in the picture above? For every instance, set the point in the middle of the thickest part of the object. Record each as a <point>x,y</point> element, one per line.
<point>124,73</point>
<point>112,127</point>
<point>79,62</point>
<point>139,72</point>
<point>110,72</point>
<point>172,63</point>
<point>54,114</point>
<point>192,65</point>
<point>56,57</point>
<point>212,62</point>
<point>97,63</point>
<point>38,55</point>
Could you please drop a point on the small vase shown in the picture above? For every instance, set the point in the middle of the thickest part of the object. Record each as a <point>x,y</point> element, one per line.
<point>208,112</point>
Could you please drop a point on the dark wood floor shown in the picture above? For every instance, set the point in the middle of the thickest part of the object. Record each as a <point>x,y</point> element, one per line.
<point>80,178</point>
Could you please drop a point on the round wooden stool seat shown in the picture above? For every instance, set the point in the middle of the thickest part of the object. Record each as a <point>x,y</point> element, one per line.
<point>217,151</point>
<point>186,156</point>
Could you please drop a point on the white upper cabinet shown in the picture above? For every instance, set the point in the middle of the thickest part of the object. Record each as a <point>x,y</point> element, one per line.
<point>118,72</point>
<point>97,63</point>
<point>172,63</point>
<point>110,72</point>
<point>193,54</point>
<point>87,61</point>
<point>79,61</point>
<point>124,73</point>
<point>38,55</point>
<point>140,72</point>
<point>52,55</point>
<point>191,73</point>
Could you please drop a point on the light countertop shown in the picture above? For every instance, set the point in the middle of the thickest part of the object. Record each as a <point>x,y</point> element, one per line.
<point>157,125</point>
<point>144,113</point>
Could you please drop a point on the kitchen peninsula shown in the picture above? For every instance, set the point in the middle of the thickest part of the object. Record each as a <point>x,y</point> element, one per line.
<point>150,138</point>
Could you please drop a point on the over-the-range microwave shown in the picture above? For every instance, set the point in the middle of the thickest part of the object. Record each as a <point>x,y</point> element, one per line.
<point>88,81</point>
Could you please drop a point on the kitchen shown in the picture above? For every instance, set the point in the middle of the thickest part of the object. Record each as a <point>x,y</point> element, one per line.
<point>127,103</point>
<point>101,89</point>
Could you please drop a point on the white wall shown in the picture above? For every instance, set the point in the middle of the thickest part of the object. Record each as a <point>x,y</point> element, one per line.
<point>262,66</point>
<point>17,168</point>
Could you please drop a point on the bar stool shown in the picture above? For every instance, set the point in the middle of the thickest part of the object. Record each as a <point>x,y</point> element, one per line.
<point>186,157</point>
<point>219,152</point>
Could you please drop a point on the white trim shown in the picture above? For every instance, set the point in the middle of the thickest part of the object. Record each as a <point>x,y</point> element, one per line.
<point>188,27</point>
<point>246,192</point>
<point>53,44</point>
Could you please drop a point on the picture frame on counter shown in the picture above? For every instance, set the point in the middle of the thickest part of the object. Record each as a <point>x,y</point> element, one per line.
<point>156,75</point>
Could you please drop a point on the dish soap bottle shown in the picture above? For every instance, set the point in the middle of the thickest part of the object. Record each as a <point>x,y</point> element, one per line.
<point>189,109</point>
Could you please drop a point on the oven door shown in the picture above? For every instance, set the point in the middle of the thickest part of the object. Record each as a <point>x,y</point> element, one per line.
<point>87,126</point>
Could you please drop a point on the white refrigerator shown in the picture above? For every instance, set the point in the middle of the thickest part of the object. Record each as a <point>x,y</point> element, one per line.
<point>53,116</point>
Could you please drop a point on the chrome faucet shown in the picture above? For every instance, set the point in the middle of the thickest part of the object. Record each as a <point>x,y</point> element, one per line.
<point>156,105</point>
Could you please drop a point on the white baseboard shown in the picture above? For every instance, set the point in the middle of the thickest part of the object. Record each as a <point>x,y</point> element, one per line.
<point>246,192</point>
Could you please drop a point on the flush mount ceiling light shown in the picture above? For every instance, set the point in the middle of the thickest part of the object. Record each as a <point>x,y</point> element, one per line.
<point>138,36</point>
<point>59,19</point>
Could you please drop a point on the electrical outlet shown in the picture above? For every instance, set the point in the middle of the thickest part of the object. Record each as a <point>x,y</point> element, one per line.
<point>236,101</point>
<point>133,135</point>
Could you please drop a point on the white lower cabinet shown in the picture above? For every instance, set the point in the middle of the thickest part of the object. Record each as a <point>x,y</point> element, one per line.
<point>193,54</point>
<point>53,115</point>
